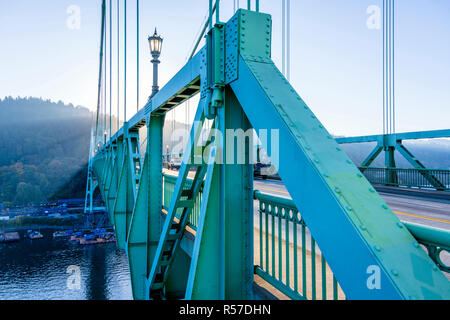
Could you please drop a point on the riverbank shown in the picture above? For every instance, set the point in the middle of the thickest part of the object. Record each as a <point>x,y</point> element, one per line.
<point>41,222</point>
<point>36,227</point>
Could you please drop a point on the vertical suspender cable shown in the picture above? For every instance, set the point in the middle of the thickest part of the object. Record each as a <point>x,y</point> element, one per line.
<point>100,67</point>
<point>217,11</point>
<point>389,67</point>
<point>118,65</point>
<point>210,14</point>
<point>388,108</point>
<point>288,39</point>
<point>384,67</point>
<point>125,64</point>
<point>205,27</point>
<point>110,68</point>
<point>105,88</point>
<point>137,55</point>
<point>393,66</point>
<point>283,37</point>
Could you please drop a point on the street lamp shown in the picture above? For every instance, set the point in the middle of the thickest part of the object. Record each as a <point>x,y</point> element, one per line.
<point>155,42</point>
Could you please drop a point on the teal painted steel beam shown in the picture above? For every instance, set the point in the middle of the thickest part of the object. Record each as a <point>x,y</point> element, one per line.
<point>204,280</point>
<point>184,85</point>
<point>167,249</point>
<point>144,232</point>
<point>328,188</point>
<point>237,201</point>
<point>372,156</point>
<point>242,89</point>
<point>434,134</point>
<point>389,160</point>
<point>124,203</point>
<point>392,142</point>
<point>418,165</point>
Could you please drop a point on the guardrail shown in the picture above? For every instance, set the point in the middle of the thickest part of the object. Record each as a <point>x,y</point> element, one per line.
<point>417,178</point>
<point>435,241</point>
<point>168,188</point>
<point>288,257</point>
<point>284,259</point>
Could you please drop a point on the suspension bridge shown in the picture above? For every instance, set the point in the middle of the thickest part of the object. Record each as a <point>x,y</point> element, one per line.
<point>207,232</point>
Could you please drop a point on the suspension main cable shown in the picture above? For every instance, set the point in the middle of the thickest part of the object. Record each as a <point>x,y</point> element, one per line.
<point>118,65</point>
<point>110,69</point>
<point>100,66</point>
<point>137,54</point>
<point>104,86</point>
<point>384,67</point>
<point>393,66</point>
<point>205,27</point>
<point>125,64</point>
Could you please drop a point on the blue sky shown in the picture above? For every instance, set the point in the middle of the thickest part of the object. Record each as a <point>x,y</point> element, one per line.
<point>336,59</point>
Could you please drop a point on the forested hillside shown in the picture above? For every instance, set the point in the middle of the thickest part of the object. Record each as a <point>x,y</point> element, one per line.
<point>42,146</point>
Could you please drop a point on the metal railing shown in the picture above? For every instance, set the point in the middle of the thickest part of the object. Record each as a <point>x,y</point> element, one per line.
<point>416,178</point>
<point>288,257</point>
<point>435,241</point>
<point>168,188</point>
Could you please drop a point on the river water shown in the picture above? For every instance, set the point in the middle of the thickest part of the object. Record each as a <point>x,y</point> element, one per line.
<point>54,269</point>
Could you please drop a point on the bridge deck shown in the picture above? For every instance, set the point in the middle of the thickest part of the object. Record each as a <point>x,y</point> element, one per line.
<point>417,209</point>
<point>428,211</point>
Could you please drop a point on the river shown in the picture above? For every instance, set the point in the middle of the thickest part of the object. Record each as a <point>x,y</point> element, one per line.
<point>56,269</point>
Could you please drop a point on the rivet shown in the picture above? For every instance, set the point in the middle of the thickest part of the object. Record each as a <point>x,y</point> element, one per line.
<point>363,227</point>
<point>416,244</point>
<point>384,206</point>
<point>349,208</point>
<point>371,189</point>
<point>349,162</point>
<point>394,272</point>
<point>337,190</point>
<point>377,248</point>
<point>435,268</point>
<point>338,149</point>
<point>400,225</point>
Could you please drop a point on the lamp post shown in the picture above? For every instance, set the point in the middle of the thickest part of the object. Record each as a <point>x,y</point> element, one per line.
<point>155,42</point>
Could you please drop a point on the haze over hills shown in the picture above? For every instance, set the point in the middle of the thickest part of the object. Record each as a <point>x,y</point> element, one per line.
<point>42,145</point>
<point>44,150</point>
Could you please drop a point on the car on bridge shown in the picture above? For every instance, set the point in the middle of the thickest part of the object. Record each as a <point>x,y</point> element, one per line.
<point>175,164</point>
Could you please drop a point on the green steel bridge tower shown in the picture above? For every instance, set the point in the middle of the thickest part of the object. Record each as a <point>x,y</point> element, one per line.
<point>196,236</point>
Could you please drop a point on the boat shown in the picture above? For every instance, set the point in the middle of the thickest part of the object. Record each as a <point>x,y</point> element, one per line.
<point>92,239</point>
<point>34,235</point>
<point>9,237</point>
<point>76,236</point>
<point>62,234</point>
